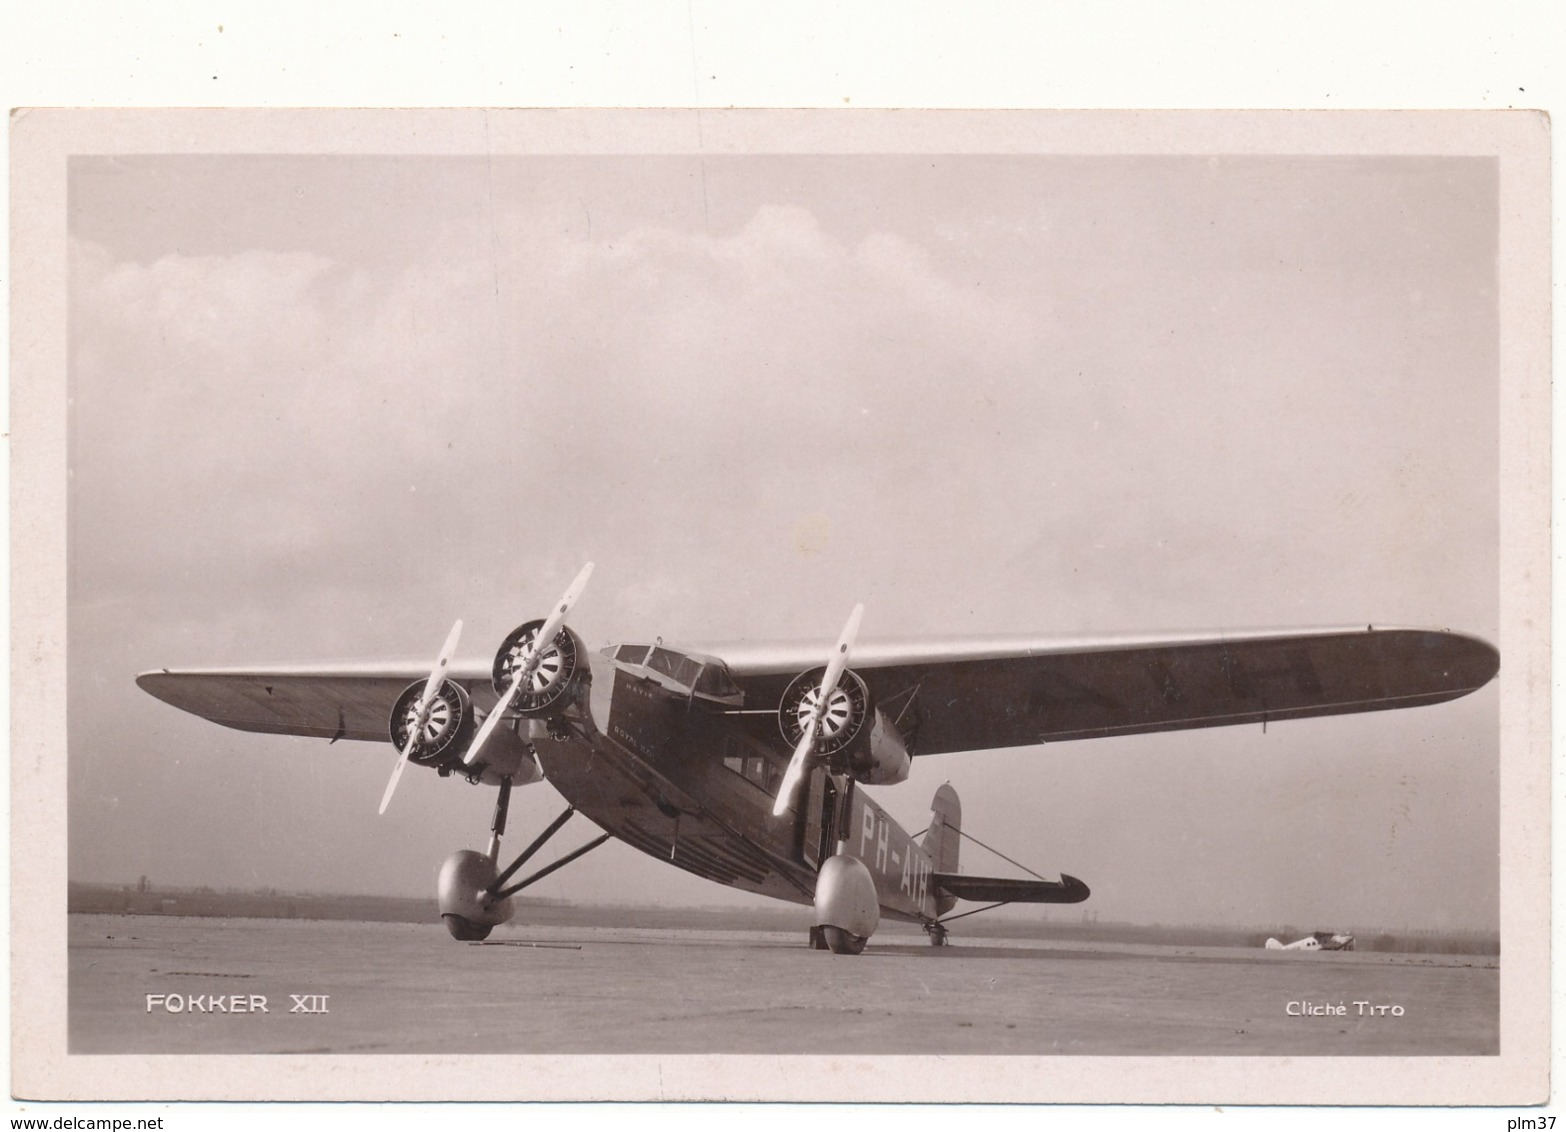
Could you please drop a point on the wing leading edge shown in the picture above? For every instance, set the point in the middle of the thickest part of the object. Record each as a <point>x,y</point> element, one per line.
<point>342,701</point>
<point>985,695</point>
<point>959,696</point>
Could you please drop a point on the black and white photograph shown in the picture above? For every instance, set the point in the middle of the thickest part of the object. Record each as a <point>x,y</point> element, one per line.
<point>1006,593</point>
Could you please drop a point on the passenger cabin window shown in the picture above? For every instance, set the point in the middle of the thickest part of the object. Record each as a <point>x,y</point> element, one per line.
<point>759,772</point>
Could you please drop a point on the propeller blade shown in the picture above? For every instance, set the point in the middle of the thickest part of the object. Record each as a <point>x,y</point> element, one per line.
<point>546,635</point>
<point>529,660</point>
<point>397,771</point>
<point>492,720</point>
<point>438,673</point>
<point>807,741</point>
<point>839,660</point>
<point>431,686</point>
<point>796,770</point>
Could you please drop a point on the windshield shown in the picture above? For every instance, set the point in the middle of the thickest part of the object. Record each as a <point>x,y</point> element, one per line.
<point>702,675</point>
<point>714,681</point>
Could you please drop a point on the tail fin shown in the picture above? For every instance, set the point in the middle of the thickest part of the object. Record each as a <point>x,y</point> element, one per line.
<point>942,840</point>
<point>1273,944</point>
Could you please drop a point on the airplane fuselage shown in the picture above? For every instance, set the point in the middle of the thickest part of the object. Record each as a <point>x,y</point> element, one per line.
<point>693,783</point>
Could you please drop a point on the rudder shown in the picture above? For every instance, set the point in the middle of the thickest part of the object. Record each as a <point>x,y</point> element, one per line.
<point>943,839</point>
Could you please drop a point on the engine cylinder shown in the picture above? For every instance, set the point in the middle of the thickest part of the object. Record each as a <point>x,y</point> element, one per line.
<point>855,737</point>
<point>551,687</point>
<point>843,720</point>
<point>448,726</point>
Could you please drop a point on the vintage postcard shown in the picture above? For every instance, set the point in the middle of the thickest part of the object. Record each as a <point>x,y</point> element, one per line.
<point>794,605</point>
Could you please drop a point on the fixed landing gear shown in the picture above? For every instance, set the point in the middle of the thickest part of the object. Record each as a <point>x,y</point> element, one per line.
<point>474,898</point>
<point>835,940</point>
<point>823,937</point>
<point>840,942</point>
<point>937,933</point>
<point>846,907</point>
<point>466,930</point>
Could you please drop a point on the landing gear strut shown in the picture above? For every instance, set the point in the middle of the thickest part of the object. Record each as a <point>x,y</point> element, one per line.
<point>474,897</point>
<point>494,891</point>
<point>937,933</point>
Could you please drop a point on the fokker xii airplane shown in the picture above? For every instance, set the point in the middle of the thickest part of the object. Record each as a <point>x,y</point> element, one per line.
<point>749,768</point>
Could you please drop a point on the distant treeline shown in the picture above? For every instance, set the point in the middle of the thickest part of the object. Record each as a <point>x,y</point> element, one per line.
<point>269,904</point>
<point>263,904</point>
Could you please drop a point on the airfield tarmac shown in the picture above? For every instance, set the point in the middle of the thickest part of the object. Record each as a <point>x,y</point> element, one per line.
<point>410,988</point>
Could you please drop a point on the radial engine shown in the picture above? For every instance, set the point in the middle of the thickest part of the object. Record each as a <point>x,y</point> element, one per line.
<point>855,737</point>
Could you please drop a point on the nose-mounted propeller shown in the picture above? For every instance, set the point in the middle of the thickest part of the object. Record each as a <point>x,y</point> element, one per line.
<point>420,718</point>
<point>822,712</point>
<point>532,666</point>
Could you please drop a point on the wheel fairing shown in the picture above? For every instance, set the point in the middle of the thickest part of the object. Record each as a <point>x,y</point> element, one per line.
<point>846,897</point>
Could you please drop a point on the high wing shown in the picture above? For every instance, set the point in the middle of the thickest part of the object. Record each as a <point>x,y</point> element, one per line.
<point>979,695</point>
<point>332,701</point>
<point>959,696</point>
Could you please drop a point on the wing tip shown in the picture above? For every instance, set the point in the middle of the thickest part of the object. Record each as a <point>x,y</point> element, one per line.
<point>1076,890</point>
<point>1475,660</point>
<point>151,680</point>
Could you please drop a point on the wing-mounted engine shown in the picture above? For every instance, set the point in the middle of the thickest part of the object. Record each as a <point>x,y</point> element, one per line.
<point>854,737</point>
<point>448,727</point>
<point>552,685</point>
<point>443,723</point>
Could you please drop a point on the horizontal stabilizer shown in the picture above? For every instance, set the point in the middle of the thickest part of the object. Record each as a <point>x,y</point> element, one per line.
<point>1066,890</point>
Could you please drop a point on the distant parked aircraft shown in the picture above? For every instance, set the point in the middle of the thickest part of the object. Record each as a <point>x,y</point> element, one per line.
<point>1320,941</point>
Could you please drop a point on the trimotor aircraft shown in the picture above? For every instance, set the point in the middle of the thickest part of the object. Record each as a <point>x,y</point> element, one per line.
<point>749,768</point>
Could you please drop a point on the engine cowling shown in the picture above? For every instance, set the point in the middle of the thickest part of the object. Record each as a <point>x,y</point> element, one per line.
<point>448,728</point>
<point>883,758</point>
<point>856,737</point>
<point>561,670</point>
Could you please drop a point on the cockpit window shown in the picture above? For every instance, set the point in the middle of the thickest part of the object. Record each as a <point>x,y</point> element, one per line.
<point>666,662</point>
<point>700,675</point>
<point>681,668</point>
<point>714,681</point>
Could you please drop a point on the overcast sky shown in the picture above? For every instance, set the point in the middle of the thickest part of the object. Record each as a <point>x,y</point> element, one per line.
<point>320,407</point>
